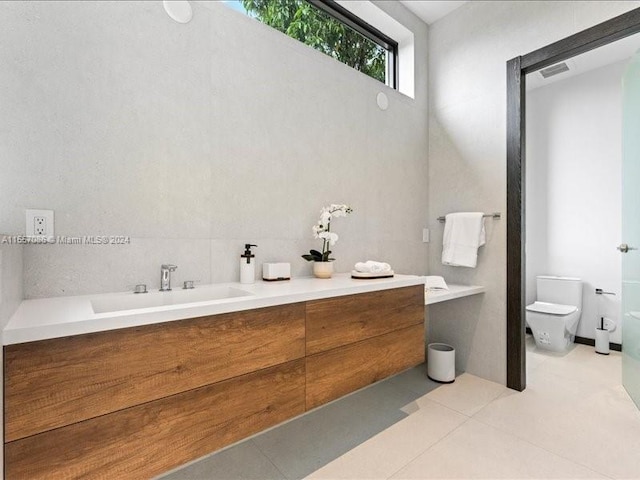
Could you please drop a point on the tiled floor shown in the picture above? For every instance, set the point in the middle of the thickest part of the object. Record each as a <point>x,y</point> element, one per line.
<point>300,447</point>
<point>574,420</point>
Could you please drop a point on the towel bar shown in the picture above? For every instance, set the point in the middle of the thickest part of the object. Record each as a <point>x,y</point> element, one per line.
<point>492,215</point>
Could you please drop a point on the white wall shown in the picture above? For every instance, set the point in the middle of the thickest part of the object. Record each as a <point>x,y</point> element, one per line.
<point>468,51</point>
<point>574,162</point>
<point>11,291</point>
<point>11,295</point>
<point>195,139</point>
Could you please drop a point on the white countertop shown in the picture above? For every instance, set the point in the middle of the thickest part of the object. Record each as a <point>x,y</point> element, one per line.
<point>455,291</point>
<point>45,318</point>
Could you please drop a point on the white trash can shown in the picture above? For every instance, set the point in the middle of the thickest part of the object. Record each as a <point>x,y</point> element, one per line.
<point>441,362</point>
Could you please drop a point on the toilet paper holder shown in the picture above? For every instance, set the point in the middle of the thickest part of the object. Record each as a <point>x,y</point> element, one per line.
<point>599,291</point>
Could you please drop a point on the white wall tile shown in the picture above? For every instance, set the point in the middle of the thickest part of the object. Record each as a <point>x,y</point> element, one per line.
<point>11,280</point>
<point>218,132</point>
<point>54,270</point>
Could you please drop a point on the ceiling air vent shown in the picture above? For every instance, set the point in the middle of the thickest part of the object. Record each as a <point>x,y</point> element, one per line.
<point>554,70</point>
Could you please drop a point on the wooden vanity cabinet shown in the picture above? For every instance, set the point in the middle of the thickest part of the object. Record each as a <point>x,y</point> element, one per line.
<point>136,402</point>
<point>57,382</point>
<point>151,438</point>
<point>356,340</point>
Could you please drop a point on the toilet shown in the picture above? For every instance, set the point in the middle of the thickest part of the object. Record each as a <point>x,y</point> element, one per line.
<point>553,317</point>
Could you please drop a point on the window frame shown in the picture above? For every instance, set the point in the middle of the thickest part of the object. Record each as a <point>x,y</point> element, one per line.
<point>341,14</point>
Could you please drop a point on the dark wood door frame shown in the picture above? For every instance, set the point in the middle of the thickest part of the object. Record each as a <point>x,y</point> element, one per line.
<point>517,68</point>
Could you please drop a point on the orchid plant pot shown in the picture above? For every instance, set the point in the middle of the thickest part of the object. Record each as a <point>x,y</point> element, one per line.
<point>322,260</point>
<point>322,269</point>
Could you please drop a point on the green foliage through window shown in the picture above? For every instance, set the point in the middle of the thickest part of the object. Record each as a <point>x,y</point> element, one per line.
<point>301,20</point>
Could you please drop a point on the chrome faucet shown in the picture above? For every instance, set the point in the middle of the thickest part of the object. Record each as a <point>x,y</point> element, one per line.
<point>165,277</point>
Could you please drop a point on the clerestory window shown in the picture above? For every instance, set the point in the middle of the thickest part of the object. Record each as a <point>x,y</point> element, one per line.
<point>332,29</point>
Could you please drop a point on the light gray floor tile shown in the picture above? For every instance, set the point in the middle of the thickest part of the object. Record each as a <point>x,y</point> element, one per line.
<point>478,451</point>
<point>584,364</point>
<point>309,442</point>
<point>588,423</point>
<point>467,395</point>
<point>381,456</point>
<point>240,462</point>
<point>415,380</point>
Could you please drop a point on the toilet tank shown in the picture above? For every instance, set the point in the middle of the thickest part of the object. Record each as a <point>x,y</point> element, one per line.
<point>563,290</point>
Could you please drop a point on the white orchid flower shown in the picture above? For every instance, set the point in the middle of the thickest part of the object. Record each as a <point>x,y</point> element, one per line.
<point>316,230</point>
<point>325,218</point>
<point>322,230</point>
<point>339,210</point>
<point>330,236</point>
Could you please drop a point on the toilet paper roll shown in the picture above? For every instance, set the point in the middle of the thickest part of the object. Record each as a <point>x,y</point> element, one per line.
<point>602,341</point>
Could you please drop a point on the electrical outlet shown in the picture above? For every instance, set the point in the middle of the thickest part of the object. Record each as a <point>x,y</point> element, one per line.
<point>39,223</point>
<point>425,235</point>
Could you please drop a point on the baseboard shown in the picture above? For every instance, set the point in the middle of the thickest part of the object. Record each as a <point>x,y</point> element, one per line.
<point>590,341</point>
<point>587,341</point>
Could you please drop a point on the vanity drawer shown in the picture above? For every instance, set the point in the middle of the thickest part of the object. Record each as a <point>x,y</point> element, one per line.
<point>149,439</point>
<point>52,383</point>
<point>340,371</point>
<point>340,321</point>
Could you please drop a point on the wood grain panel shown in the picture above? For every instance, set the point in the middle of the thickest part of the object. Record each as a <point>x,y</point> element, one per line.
<point>340,321</point>
<point>52,383</point>
<point>516,263</point>
<point>149,439</point>
<point>343,370</point>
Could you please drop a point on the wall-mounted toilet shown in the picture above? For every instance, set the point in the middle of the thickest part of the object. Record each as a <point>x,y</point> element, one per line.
<point>554,317</point>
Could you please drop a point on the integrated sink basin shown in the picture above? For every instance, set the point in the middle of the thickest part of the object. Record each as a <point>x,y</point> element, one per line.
<point>132,301</point>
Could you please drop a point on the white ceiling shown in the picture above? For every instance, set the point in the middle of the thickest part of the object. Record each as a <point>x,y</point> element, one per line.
<point>430,11</point>
<point>606,55</point>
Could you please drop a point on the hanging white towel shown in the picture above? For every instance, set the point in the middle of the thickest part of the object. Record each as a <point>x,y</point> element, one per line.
<point>463,234</point>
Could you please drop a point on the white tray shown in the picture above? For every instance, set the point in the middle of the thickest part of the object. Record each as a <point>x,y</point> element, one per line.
<point>367,275</point>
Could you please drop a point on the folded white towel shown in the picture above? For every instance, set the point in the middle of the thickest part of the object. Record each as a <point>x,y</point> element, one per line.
<point>464,233</point>
<point>372,267</point>
<point>434,282</point>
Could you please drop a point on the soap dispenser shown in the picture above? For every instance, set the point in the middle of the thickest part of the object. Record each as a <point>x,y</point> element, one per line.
<point>247,265</point>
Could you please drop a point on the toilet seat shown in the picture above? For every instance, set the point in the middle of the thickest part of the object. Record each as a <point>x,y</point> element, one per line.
<point>552,308</point>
